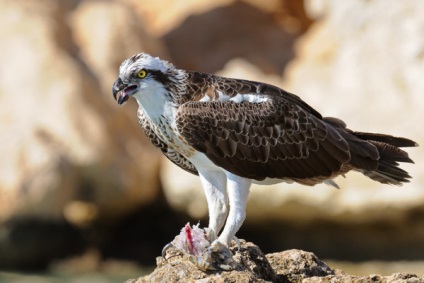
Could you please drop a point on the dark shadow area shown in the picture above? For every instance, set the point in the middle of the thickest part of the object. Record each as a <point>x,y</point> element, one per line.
<point>350,242</point>
<point>206,42</point>
<point>142,235</point>
<point>31,244</point>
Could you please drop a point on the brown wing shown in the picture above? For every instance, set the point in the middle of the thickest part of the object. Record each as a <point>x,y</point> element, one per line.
<point>274,139</point>
<point>201,84</point>
<point>169,152</point>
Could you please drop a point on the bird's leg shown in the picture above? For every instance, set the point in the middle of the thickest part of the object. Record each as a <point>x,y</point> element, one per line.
<point>238,191</point>
<point>222,190</point>
<point>218,255</point>
<point>214,186</point>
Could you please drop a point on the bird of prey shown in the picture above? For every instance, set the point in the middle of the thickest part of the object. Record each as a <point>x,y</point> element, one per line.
<point>233,132</point>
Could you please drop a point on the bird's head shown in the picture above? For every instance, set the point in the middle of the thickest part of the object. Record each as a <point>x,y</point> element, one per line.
<point>145,77</point>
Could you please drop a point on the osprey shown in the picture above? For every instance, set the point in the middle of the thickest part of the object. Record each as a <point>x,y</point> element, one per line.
<point>232,133</point>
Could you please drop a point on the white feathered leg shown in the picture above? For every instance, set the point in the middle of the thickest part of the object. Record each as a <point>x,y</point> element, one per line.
<point>218,255</point>
<point>238,191</point>
<point>214,184</point>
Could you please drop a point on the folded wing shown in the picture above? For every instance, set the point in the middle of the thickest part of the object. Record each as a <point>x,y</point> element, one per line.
<point>272,139</point>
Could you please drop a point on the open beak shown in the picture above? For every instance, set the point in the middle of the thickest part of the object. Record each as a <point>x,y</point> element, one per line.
<point>125,91</point>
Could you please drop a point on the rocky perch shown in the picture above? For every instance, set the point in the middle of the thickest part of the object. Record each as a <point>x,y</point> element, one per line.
<point>254,266</point>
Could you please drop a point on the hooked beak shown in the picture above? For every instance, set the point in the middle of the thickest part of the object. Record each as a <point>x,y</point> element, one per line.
<point>125,90</point>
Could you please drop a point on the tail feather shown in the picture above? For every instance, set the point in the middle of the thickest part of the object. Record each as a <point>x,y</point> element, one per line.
<point>394,141</point>
<point>376,155</point>
<point>390,154</point>
<point>388,173</point>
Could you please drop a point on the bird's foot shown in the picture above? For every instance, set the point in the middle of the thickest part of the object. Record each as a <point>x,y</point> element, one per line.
<point>166,248</point>
<point>195,242</point>
<point>216,257</point>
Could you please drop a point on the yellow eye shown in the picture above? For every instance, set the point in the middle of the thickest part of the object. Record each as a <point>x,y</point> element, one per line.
<point>142,74</point>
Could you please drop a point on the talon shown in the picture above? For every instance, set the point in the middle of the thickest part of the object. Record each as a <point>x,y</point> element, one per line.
<point>210,235</point>
<point>194,241</point>
<point>165,249</point>
<point>237,242</point>
<point>216,256</point>
<point>204,262</point>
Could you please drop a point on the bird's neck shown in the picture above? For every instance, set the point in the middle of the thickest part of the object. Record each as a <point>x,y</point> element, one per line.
<point>156,105</point>
<point>161,100</point>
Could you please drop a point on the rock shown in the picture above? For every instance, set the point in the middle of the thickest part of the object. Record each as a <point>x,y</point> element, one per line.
<point>161,17</point>
<point>65,141</point>
<point>253,266</point>
<point>121,29</point>
<point>254,35</point>
<point>68,153</point>
<point>296,265</point>
<point>373,278</point>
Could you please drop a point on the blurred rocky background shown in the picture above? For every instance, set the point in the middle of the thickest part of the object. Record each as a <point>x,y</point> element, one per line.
<point>79,179</point>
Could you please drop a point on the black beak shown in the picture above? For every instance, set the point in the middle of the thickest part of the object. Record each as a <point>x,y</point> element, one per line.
<point>118,85</point>
<point>125,89</point>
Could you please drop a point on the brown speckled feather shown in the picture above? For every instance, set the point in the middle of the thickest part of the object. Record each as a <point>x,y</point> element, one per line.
<point>280,137</point>
<point>168,151</point>
<point>201,84</point>
<point>259,131</point>
<point>273,139</point>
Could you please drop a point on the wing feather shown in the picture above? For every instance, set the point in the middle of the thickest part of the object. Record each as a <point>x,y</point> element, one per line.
<point>272,139</point>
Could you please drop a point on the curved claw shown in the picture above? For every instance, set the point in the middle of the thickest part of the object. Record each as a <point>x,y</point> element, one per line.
<point>165,249</point>
<point>237,242</point>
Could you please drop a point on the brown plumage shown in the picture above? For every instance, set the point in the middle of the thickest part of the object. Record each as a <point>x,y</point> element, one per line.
<point>282,138</point>
<point>234,132</point>
<point>279,137</point>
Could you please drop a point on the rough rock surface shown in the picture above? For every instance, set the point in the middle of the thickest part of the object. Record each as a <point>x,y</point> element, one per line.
<point>253,265</point>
